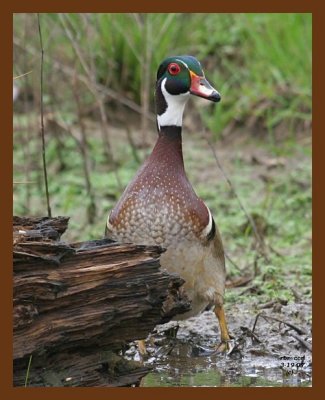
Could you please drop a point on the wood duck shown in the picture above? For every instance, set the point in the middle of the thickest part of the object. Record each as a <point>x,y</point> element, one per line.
<point>160,207</point>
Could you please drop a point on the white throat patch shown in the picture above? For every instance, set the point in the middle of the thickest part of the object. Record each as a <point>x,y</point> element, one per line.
<point>175,107</point>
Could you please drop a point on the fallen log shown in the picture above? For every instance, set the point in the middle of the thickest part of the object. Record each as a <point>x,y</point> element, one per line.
<point>76,306</point>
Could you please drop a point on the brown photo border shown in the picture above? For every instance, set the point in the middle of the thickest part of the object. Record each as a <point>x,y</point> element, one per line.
<point>258,6</point>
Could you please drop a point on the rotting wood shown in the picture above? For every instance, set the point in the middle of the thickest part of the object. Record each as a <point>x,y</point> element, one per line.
<point>77,305</point>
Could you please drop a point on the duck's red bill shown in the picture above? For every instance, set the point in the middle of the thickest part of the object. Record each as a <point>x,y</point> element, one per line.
<point>202,88</point>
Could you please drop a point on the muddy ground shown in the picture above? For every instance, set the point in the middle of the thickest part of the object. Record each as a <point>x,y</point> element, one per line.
<point>272,354</point>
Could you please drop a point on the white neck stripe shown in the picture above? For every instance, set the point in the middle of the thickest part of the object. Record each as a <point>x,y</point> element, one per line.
<point>175,107</point>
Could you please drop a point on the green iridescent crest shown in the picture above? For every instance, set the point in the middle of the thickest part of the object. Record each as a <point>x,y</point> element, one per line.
<point>191,62</point>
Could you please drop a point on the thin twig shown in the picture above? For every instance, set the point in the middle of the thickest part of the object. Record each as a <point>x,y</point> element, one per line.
<point>107,92</point>
<point>233,191</point>
<point>23,182</point>
<point>99,98</point>
<point>42,121</point>
<point>84,147</point>
<point>20,76</point>
<point>30,128</point>
<point>132,145</point>
<point>276,252</point>
<point>28,369</point>
<point>233,263</point>
<point>268,304</point>
<point>299,330</point>
<point>302,341</point>
<point>255,322</point>
<point>241,281</point>
<point>249,333</point>
<point>145,77</point>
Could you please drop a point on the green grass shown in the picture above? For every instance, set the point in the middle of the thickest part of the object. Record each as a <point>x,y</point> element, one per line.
<point>261,63</point>
<point>265,71</point>
<point>283,203</point>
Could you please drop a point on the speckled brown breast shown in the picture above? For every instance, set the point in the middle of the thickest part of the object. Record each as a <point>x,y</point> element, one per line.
<point>160,206</point>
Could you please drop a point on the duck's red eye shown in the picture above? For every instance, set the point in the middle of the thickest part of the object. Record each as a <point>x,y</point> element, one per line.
<point>174,69</point>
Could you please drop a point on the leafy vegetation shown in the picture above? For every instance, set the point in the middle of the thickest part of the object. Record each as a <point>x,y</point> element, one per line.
<point>261,63</point>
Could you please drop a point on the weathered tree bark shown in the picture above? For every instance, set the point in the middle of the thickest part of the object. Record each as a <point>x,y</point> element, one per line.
<point>77,305</point>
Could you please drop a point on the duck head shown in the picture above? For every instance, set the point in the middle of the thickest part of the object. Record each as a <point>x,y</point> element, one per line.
<point>177,78</point>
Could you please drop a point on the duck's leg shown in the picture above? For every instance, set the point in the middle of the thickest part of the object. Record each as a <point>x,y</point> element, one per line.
<point>226,344</point>
<point>220,314</point>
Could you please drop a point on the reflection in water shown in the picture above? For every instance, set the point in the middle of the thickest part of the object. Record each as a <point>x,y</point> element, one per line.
<point>182,368</point>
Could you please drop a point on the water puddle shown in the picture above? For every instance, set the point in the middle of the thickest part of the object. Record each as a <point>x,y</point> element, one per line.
<point>272,357</point>
<point>181,368</point>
